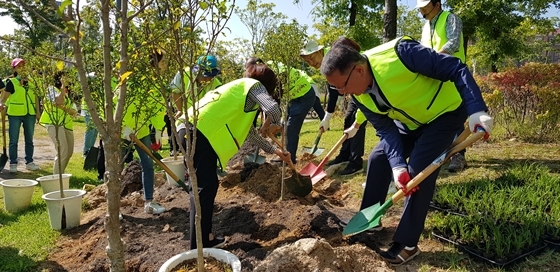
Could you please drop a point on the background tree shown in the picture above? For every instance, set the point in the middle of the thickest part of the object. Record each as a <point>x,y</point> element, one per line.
<point>32,26</point>
<point>360,20</point>
<point>493,23</point>
<point>409,23</point>
<point>259,19</point>
<point>390,20</point>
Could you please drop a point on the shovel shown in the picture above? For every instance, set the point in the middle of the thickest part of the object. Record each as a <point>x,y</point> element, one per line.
<point>3,157</point>
<point>158,162</point>
<point>297,184</point>
<point>316,171</point>
<point>371,216</point>
<point>315,150</point>
<point>255,157</point>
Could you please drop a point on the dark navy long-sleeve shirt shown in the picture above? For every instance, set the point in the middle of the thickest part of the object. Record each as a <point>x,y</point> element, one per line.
<point>427,62</point>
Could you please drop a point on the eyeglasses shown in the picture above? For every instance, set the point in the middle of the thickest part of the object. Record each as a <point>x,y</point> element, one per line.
<point>345,83</point>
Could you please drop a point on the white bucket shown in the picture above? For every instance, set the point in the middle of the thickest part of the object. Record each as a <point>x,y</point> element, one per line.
<point>17,194</point>
<point>218,254</point>
<point>50,183</point>
<point>177,167</point>
<point>72,203</point>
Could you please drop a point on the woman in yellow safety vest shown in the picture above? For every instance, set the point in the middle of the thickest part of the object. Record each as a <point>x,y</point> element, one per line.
<point>224,122</point>
<point>22,103</point>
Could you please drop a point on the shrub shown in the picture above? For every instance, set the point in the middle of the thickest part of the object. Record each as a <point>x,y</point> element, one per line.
<point>525,101</point>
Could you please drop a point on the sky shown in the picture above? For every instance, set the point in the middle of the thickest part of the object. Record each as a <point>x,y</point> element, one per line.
<point>301,12</point>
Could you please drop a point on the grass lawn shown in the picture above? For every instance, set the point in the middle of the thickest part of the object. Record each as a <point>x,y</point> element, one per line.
<point>26,237</point>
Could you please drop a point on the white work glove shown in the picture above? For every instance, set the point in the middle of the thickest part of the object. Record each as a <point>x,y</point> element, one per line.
<point>157,145</point>
<point>352,130</point>
<point>324,126</point>
<point>158,136</point>
<point>126,131</point>
<point>483,120</point>
<point>401,178</point>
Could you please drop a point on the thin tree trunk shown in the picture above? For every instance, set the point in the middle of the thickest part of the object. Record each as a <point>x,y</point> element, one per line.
<point>111,140</point>
<point>353,11</point>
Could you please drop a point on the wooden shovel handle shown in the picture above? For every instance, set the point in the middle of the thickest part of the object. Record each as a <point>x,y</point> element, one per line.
<point>4,129</point>
<point>275,140</point>
<point>333,149</point>
<point>158,162</point>
<point>459,144</point>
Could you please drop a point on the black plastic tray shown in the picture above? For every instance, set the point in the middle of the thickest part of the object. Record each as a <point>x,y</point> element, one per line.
<point>553,244</point>
<point>534,250</point>
<point>446,211</point>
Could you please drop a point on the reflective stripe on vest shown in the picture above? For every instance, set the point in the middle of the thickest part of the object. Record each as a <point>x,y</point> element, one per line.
<point>412,99</point>
<point>222,117</point>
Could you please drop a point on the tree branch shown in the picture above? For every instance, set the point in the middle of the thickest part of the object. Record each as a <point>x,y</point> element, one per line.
<point>35,51</point>
<point>29,8</point>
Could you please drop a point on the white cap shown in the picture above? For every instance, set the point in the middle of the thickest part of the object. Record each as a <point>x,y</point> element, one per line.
<point>310,47</point>
<point>422,3</point>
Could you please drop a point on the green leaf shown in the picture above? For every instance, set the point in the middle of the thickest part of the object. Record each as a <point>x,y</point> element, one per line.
<point>63,6</point>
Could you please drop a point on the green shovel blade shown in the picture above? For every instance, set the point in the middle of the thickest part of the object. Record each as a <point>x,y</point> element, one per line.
<point>367,218</point>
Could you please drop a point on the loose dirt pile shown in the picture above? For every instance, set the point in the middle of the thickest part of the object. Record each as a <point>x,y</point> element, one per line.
<point>266,233</point>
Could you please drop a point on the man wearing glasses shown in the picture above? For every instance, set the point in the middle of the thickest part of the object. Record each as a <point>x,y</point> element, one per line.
<point>398,89</point>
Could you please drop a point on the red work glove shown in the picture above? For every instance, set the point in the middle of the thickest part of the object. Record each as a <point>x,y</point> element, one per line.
<point>401,178</point>
<point>155,146</point>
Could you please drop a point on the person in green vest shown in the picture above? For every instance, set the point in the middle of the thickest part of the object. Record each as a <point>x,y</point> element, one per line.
<point>206,71</point>
<point>22,109</point>
<point>398,89</point>
<point>57,115</point>
<point>301,99</point>
<point>145,109</point>
<point>352,150</point>
<point>443,32</point>
<point>224,123</point>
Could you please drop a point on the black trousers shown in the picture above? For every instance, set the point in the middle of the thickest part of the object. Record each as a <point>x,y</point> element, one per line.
<point>126,151</point>
<point>421,147</point>
<point>205,160</point>
<point>352,149</point>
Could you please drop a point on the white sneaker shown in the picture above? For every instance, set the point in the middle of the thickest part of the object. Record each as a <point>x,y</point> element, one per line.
<point>153,208</point>
<point>31,166</point>
<point>13,167</point>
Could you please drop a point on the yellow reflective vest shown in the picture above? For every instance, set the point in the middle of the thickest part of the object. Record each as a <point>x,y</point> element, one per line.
<point>53,115</point>
<point>222,117</point>
<point>438,38</point>
<point>411,98</point>
<point>22,101</point>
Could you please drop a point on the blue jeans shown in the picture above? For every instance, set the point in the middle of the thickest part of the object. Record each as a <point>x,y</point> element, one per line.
<point>147,169</point>
<point>15,122</point>
<point>91,133</point>
<point>297,111</point>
